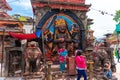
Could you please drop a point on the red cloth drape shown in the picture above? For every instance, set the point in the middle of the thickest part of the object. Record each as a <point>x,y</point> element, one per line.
<point>22,36</point>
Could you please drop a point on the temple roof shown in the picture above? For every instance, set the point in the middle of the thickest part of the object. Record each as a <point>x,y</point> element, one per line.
<point>61,4</point>
<point>6,20</point>
<point>62,1</point>
<point>4,15</point>
<point>10,22</point>
<point>90,21</point>
<point>4,5</point>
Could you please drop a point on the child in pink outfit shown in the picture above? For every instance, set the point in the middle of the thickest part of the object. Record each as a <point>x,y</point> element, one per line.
<point>63,53</point>
<point>80,65</point>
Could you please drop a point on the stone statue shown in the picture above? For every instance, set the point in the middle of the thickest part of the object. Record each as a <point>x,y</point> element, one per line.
<point>62,35</point>
<point>32,57</point>
<point>75,33</point>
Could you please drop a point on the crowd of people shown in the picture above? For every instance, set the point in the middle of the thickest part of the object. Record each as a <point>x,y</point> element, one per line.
<point>81,65</point>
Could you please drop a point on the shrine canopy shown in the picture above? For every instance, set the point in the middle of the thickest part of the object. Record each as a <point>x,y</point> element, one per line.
<point>61,4</point>
<point>22,36</point>
<point>117,30</point>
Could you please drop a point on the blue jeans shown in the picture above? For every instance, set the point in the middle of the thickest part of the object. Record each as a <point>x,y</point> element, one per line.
<point>81,73</point>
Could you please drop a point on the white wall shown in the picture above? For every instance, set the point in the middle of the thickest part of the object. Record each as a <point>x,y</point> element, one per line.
<point>28,28</point>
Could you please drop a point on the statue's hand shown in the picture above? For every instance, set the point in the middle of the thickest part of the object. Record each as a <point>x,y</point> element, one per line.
<point>62,39</point>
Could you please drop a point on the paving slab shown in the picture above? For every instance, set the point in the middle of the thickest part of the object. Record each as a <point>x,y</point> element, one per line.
<point>2,78</point>
<point>14,78</point>
<point>66,77</point>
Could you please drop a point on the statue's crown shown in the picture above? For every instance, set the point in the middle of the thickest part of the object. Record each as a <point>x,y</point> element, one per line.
<point>60,22</point>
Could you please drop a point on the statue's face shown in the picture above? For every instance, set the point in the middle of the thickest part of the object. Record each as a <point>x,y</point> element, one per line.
<point>32,44</point>
<point>76,45</point>
<point>62,29</point>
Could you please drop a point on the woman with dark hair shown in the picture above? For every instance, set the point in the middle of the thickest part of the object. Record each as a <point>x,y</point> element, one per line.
<point>80,65</point>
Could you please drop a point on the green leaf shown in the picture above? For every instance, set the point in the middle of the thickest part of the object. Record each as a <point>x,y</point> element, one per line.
<point>117,16</point>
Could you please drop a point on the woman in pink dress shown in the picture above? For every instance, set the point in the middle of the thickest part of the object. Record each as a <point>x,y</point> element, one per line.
<point>80,65</point>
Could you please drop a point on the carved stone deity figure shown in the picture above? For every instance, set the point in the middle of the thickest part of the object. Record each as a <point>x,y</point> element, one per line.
<point>102,55</point>
<point>32,57</point>
<point>62,35</point>
<point>75,33</point>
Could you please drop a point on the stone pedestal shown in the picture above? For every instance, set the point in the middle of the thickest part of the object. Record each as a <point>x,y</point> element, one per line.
<point>90,63</point>
<point>49,75</point>
<point>71,69</point>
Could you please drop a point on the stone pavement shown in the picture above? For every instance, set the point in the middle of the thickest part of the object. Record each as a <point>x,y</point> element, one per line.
<point>116,74</point>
